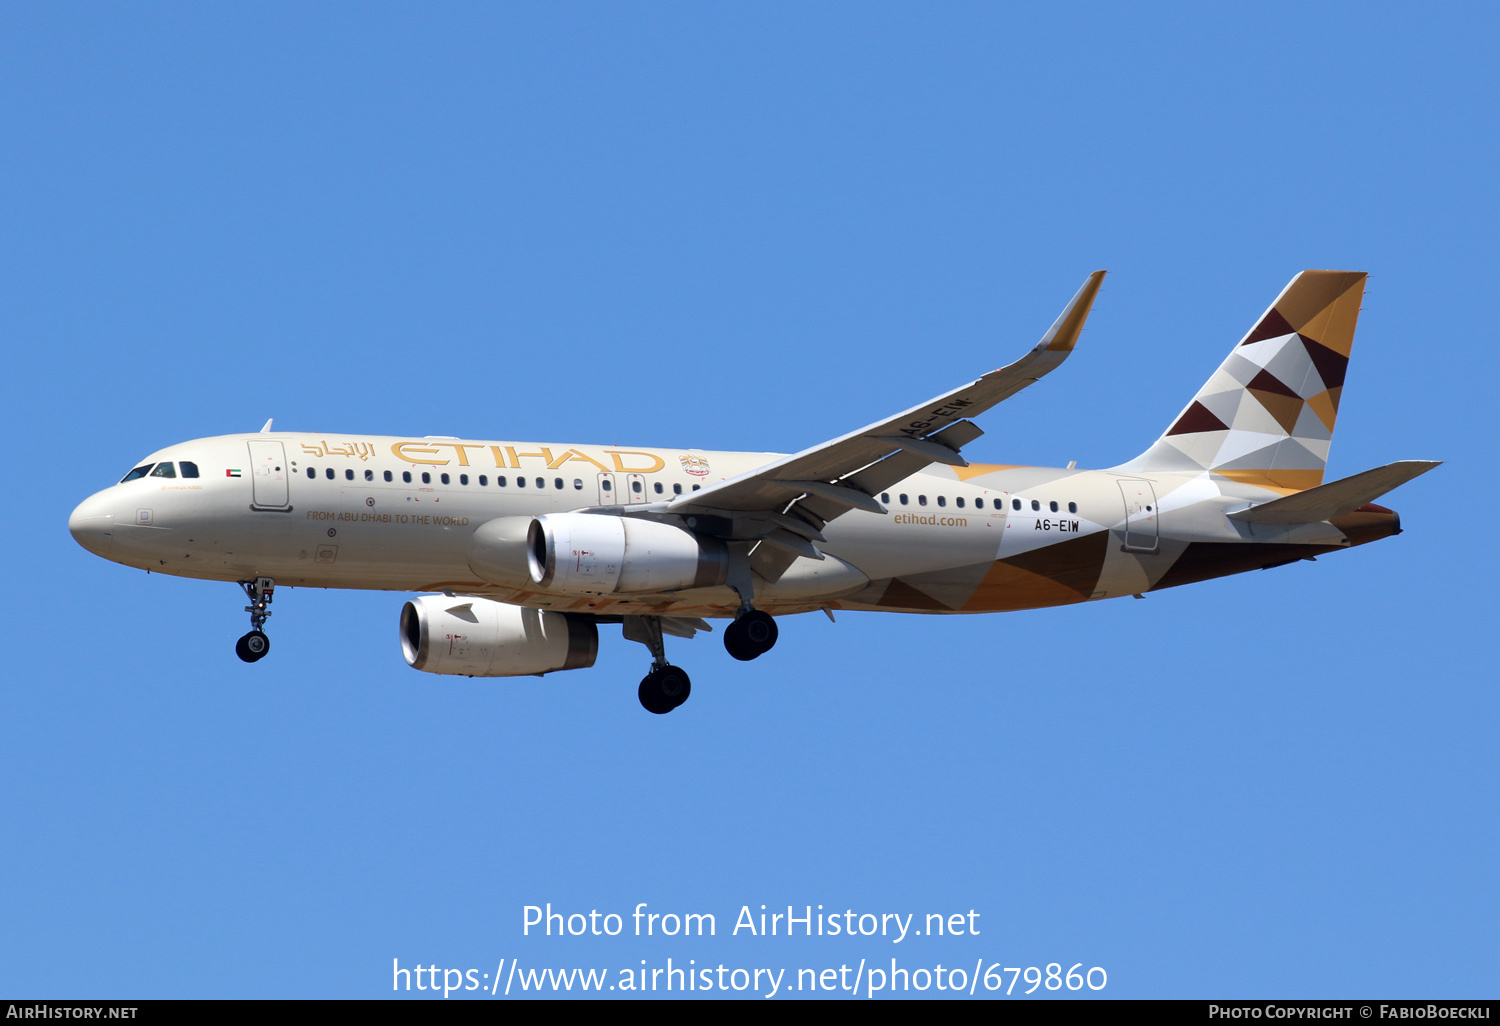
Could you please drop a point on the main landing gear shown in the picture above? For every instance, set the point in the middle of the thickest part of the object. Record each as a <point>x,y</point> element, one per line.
<point>664,689</point>
<point>666,686</point>
<point>752,634</point>
<point>255,645</point>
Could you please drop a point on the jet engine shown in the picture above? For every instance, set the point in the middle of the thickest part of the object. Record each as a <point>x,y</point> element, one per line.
<point>478,637</point>
<point>497,553</point>
<point>599,554</point>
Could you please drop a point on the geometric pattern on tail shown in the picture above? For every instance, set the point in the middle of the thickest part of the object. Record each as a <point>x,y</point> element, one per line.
<point>1266,416</point>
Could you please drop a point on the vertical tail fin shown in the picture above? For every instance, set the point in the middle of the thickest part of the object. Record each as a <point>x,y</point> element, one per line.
<point>1266,416</point>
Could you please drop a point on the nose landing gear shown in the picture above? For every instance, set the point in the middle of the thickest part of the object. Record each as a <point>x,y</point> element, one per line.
<point>252,646</point>
<point>255,645</point>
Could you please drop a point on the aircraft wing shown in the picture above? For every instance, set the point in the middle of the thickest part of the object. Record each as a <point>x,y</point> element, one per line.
<point>846,473</point>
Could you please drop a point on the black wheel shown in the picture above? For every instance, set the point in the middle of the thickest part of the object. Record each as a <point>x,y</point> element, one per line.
<point>753,634</point>
<point>674,684</point>
<point>663,690</point>
<point>652,700</point>
<point>252,646</point>
<point>735,643</point>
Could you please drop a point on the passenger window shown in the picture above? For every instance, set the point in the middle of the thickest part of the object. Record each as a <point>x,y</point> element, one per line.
<point>885,497</point>
<point>1035,505</point>
<point>369,475</point>
<point>1052,506</point>
<point>499,482</point>
<point>978,504</point>
<point>188,469</point>
<point>463,478</point>
<point>164,470</point>
<point>406,476</point>
<point>904,499</point>
<point>942,500</point>
<point>136,474</point>
<point>442,477</point>
<point>921,500</point>
<point>578,484</point>
<point>606,485</point>
<point>677,489</point>
<point>328,473</point>
<point>658,488</point>
<point>1072,507</point>
<point>426,477</point>
<point>312,472</point>
<point>557,483</point>
<point>1015,503</point>
<point>483,480</point>
<point>540,483</point>
<point>959,502</point>
<point>387,475</point>
<point>635,486</point>
<point>349,475</point>
<point>696,487</point>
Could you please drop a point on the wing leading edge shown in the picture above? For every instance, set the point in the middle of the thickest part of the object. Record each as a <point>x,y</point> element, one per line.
<point>795,496</point>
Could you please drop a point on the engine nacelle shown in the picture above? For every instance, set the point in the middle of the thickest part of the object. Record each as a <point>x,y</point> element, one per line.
<point>479,637</point>
<point>497,552</point>
<point>599,554</point>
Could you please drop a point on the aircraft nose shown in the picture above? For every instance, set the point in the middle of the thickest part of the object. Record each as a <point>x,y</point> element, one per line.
<point>92,524</point>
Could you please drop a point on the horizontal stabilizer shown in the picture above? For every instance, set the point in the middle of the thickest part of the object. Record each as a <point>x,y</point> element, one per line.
<point>1328,501</point>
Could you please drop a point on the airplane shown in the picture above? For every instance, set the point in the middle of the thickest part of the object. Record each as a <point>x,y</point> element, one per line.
<point>521,550</point>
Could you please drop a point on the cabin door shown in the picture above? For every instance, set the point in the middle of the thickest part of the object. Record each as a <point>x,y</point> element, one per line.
<point>1140,515</point>
<point>268,476</point>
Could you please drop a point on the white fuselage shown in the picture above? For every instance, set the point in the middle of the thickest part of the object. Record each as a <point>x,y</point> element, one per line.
<point>376,512</point>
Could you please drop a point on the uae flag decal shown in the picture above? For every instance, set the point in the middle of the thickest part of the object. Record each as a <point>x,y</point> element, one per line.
<point>231,473</point>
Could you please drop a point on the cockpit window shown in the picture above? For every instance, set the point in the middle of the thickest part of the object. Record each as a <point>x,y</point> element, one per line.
<point>188,469</point>
<point>137,473</point>
<point>164,470</point>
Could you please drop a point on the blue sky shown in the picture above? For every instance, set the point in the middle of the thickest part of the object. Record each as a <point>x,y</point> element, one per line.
<point>744,227</point>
